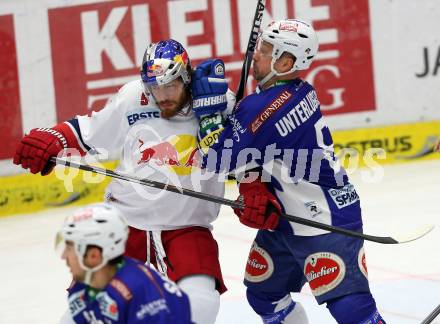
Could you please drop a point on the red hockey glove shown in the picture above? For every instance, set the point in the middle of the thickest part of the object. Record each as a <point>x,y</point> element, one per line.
<point>262,208</point>
<point>35,149</point>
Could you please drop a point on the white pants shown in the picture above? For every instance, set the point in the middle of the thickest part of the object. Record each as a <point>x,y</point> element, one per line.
<point>203,297</point>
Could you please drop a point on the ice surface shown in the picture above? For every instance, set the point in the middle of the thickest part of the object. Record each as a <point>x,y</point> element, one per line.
<point>405,279</point>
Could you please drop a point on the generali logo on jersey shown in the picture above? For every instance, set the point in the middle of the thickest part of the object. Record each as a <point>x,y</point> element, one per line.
<point>98,47</point>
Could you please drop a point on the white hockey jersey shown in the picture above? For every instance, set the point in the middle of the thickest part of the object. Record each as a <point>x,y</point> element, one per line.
<point>155,148</point>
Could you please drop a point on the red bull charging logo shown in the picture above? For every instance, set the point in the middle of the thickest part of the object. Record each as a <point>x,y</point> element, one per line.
<point>179,152</point>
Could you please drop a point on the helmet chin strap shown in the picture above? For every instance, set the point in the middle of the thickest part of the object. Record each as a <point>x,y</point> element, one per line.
<point>268,76</point>
<point>274,73</point>
<point>89,271</point>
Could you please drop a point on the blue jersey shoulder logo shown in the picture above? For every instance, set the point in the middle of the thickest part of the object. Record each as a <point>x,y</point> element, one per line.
<point>344,196</point>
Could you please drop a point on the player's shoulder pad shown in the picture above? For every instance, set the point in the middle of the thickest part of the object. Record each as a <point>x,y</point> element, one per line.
<point>76,286</point>
<point>257,109</point>
<point>132,95</point>
<point>130,88</point>
<point>153,277</point>
<point>126,281</point>
<point>121,288</point>
<point>249,100</point>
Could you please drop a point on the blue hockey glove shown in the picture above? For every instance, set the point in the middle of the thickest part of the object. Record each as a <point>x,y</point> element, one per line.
<point>209,88</point>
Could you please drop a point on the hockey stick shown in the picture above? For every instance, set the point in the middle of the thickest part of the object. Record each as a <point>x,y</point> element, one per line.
<point>72,198</point>
<point>252,42</point>
<point>432,316</point>
<point>220,200</point>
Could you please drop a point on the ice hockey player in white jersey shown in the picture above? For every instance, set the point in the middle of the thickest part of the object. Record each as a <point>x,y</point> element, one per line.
<point>151,123</point>
<point>279,138</point>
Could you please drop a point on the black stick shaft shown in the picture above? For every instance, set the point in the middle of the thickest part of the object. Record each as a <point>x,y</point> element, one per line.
<point>220,200</point>
<point>432,316</point>
<point>252,42</point>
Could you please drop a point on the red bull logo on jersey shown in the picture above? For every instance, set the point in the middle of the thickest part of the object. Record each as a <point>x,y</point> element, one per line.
<point>178,152</point>
<point>259,265</point>
<point>324,271</point>
<point>161,154</point>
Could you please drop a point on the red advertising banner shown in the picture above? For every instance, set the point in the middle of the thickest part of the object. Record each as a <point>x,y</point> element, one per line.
<point>10,115</point>
<point>343,70</point>
<point>96,48</point>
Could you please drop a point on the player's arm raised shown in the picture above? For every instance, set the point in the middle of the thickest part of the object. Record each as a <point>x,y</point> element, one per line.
<point>79,134</point>
<point>209,91</point>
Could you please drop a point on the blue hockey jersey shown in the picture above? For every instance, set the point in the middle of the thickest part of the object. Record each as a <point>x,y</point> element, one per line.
<point>136,294</point>
<point>281,132</point>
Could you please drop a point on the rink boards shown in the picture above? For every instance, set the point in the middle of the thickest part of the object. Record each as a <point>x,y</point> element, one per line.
<point>365,147</point>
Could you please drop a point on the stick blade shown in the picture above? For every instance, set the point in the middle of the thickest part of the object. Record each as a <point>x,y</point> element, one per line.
<point>414,235</point>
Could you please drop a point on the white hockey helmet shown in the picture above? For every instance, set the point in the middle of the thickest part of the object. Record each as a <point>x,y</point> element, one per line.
<point>99,225</point>
<point>293,36</point>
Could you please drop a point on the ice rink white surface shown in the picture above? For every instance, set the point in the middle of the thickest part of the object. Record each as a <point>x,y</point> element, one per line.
<point>405,279</point>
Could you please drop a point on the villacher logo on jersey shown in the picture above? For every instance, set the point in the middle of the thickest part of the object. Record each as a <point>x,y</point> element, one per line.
<point>324,271</point>
<point>259,264</point>
<point>312,275</point>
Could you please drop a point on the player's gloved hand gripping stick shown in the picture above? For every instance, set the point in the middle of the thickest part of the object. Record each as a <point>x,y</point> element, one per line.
<point>35,149</point>
<point>261,208</point>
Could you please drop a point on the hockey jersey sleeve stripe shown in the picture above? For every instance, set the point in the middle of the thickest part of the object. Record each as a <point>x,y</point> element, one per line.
<point>76,131</point>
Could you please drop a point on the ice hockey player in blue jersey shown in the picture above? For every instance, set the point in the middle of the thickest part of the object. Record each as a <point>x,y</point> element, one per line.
<point>108,287</point>
<point>277,144</point>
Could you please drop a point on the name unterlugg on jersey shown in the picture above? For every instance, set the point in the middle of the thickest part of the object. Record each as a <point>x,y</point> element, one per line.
<point>298,114</point>
<point>211,101</point>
